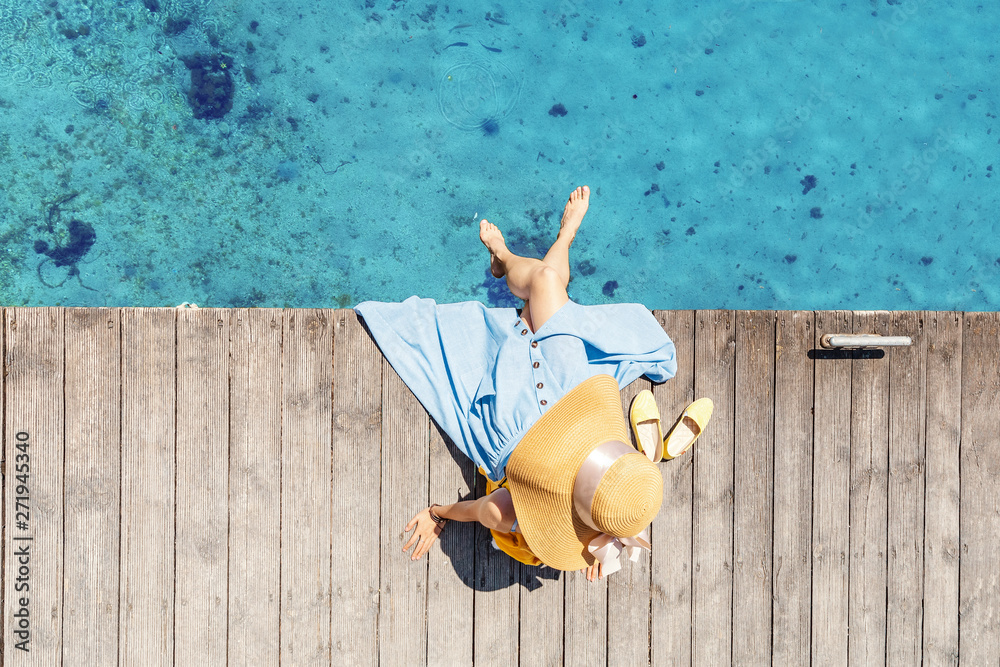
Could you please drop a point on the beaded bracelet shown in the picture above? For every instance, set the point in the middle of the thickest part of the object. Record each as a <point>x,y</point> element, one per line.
<point>439,520</point>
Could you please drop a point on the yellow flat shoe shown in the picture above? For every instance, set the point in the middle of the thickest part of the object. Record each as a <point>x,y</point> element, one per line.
<point>645,418</point>
<point>691,424</point>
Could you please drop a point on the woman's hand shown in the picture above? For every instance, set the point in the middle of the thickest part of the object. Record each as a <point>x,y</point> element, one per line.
<point>594,572</point>
<point>426,532</point>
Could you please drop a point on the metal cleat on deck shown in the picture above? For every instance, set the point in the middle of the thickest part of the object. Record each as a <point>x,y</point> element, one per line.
<point>862,341</point>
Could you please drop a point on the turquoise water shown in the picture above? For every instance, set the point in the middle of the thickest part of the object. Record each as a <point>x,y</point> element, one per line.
<point>770,155</point>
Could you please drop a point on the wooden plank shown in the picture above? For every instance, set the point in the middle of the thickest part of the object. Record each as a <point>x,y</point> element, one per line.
<point>93,485</point>
<point>943,332</point>
<point>628,589</point>
<point>306,528</point>
<point>907,404</point>
<point>34,486</point>
<point>357,444</point>
<point>4,612</point>
<point>793,463</point>
<point>831,493</point>
<point>146,599</point>
<point>497,600</point>
<point>712,537</point>
<point>754,476</point>
<point>402,623</point>
<point>254,486</point>
<point>670,571</point>
<point>979,605</point>
<point>202,519</point>
<point>869,497</point>
<point>452,566</point>
<point>585,624</point>
<point>541,616</point>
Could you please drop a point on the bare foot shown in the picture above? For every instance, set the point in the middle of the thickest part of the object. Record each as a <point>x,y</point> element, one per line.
<point>576,208</point>
<point>492,238</point>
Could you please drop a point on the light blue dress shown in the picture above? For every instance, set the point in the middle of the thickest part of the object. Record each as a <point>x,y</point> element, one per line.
<point>486,379</point>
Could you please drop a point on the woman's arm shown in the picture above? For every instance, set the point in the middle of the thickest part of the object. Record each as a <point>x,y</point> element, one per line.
<point>495,511</point>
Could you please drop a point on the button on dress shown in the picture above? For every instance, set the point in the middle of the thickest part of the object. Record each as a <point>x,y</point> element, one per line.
<point>486,383</point>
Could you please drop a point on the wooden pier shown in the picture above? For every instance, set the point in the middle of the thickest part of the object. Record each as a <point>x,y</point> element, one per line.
<point>229,487</point>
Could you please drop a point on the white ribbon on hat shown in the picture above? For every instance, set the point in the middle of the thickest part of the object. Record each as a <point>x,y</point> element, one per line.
<point>605,548</point>
<point>608,549</point>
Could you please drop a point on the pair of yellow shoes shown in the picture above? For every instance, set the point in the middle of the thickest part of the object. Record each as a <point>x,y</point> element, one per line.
<point>645,418</point>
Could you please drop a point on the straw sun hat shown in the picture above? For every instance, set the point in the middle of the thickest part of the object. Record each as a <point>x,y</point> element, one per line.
<point>580,491</point>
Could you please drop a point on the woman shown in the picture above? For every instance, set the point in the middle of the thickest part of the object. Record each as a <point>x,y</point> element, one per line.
<point>527,396</point>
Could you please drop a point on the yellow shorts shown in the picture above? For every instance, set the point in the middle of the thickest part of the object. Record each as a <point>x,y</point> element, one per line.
<point>512,544</point>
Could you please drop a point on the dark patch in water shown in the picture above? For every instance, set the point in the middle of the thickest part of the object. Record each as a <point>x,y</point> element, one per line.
<point>497,294</point>
<point>212,88</point>
<point>81,238</point>
<point>489,126</point>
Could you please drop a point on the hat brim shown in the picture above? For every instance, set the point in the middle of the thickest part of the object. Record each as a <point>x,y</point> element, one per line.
<point>542,470</point>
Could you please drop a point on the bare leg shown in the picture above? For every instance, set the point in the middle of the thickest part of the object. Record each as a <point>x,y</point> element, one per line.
<point>576,207</point>
<point>540,282</point>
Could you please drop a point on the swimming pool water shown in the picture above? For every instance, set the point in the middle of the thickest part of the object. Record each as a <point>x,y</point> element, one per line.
<point>769,154</point>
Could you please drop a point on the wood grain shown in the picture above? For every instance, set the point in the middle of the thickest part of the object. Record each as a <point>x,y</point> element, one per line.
<point>942,509</point>
<point>93,484</point>
<point>831,494</point>
<point>451,570</point>
<point>541,615</point>
<point>793,464</point>
<point>869,497</point>
<point>497,601</point>
<point>402,633</point>
<point>254,486</point>
<point>146,597</point>
<point>670,606</point>
<point>753,497</point>
<point>979,582</point>
<point>585,626</point>
<point>202,548</point>
<point>230,486</point>
<point>306,520</point>
<point>712,532</point>
<point>906,419</point>
<point>356,465</point>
